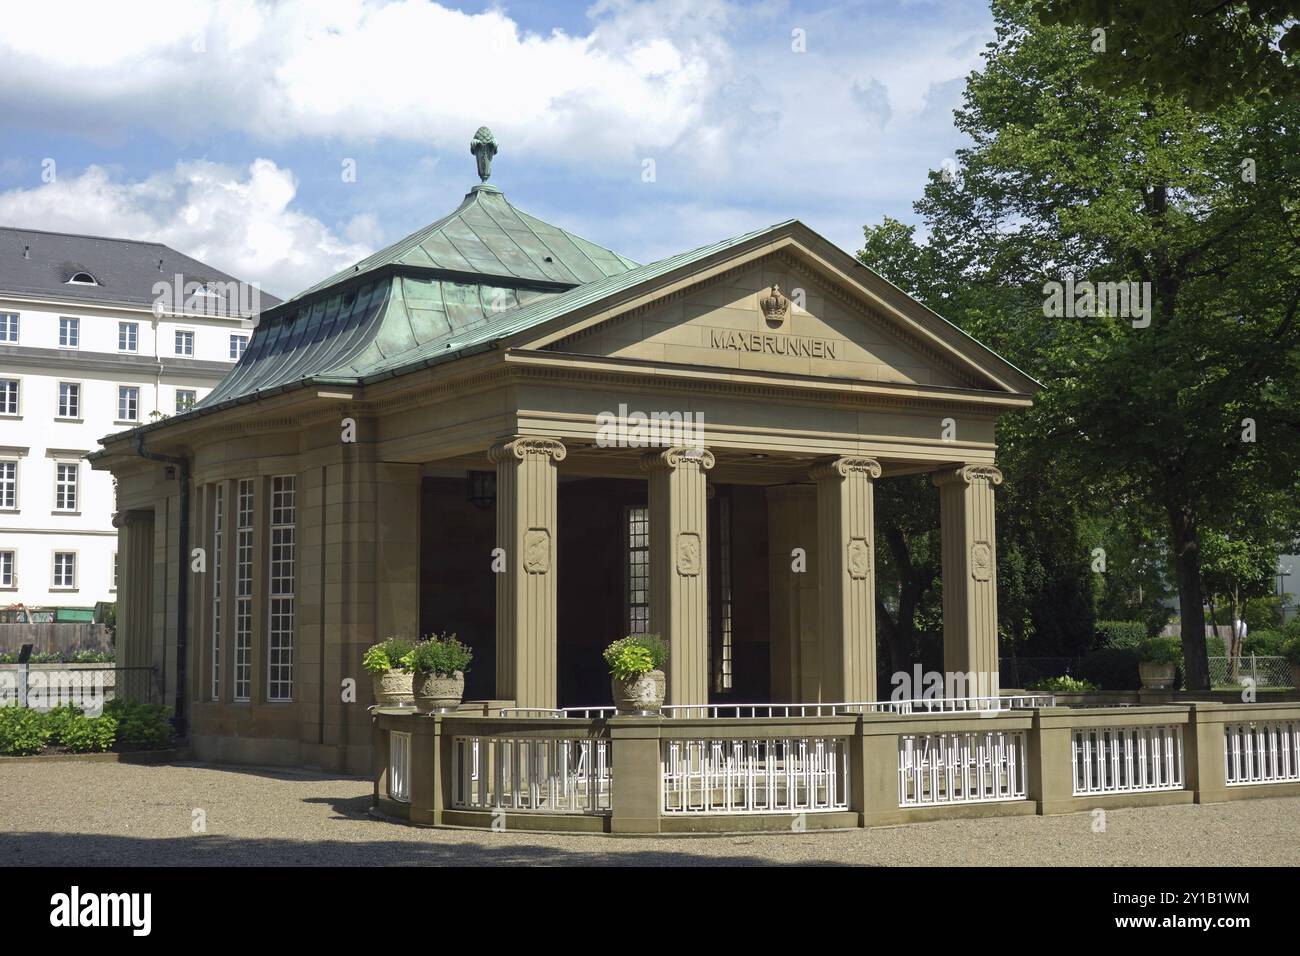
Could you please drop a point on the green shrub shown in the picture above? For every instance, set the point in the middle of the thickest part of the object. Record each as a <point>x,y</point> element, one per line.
<point>1215,646</point>
<point>635,655</point>
<point>1113,668</point>
<point>1161,650</point>
<point>386,655</point>
<point>140,726</point>
<point>1063,685</point>
<point>441,655</point>
<point>83,734</point>
<point>1265,643</point>
<point>57,720</point>
<point>1263,613</point>
<point>1291,650</point>
<point>22,731</point>
<point>1119,633</point>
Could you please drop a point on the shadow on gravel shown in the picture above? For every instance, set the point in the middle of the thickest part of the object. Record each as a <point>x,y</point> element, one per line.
<point>79,849</point>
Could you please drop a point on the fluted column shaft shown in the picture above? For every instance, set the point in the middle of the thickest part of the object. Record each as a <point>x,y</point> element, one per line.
<point>970,591</point>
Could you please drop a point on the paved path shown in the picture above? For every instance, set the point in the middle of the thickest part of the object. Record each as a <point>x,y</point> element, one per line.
<point>75,813</point>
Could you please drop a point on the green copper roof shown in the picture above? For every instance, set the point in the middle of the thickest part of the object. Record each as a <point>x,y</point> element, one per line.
<point>487,236</point>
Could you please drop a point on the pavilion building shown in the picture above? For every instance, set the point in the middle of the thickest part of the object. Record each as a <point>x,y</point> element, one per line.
<point>497,428</point>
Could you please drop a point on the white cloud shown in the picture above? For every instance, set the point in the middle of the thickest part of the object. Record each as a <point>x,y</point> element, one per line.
<point>406,68</point>
<point>240,221</point>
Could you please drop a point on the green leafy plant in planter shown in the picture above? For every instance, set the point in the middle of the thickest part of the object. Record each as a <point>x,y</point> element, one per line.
<point>438,665</point>
<point>390,680</point>
<point>1158,660</point>
<point>636,676</point>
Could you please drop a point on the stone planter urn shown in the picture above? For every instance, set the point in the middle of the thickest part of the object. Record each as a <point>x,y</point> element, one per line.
<point>438,692</point>
<point>642,695</point>
<point>1157,676</point>
<point>392,688</point>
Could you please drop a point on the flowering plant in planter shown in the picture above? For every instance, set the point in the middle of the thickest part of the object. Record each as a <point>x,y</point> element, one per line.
<point>438,664</point>
<point>392,682</point>
<point>637,681</point>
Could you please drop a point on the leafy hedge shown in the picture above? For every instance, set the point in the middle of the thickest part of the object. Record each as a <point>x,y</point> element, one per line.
<point>123,725</point>
<point>1063,685</point>
<point>61,657</point>
<point>1119,633</point>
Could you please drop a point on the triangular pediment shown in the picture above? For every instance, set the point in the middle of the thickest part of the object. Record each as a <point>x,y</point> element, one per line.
<point>830,328</point>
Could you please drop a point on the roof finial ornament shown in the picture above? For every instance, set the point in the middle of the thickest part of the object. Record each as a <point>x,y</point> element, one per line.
<point>484,147</point>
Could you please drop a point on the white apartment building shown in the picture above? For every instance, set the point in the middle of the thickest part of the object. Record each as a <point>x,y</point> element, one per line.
<point>96,335</point>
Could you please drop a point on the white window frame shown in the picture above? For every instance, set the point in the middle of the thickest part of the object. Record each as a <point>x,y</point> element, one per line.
<point>59,411</point>
<point>74,328</point>
<point>281,618</point>
<point>60,484</point>
<point>179,336</point>
<point>112,572</point>
<point>218,534</point>
<point>18,398</point>
<point>245,517</point>
<point>3,482</point>
<point>54,572</point>
<point>9,328</point>
<point>194,399</point>
<point>238,345</point>
<point>133,338</point>
<point>636,569</point>
<point>12,583</point>
<point>120,416</point>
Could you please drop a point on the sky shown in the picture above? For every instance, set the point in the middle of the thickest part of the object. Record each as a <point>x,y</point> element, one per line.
<point>281,142</point>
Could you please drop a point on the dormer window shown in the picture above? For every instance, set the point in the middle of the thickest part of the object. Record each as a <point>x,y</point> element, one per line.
<point>82,278</point>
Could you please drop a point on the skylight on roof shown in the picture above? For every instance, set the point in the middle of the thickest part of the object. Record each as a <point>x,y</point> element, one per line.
<point>82,278</point>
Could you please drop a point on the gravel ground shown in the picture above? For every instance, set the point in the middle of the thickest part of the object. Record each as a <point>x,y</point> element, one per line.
<point>75,813</point>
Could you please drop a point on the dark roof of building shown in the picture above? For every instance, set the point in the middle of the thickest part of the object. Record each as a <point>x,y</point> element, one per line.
<point>34,262</point>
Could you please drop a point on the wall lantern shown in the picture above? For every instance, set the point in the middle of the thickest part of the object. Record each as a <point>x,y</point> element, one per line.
<point>481,488</point>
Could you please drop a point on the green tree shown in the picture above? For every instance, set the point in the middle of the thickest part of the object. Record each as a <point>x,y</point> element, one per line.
<point>1206,51</point>
<point>1186,397</point>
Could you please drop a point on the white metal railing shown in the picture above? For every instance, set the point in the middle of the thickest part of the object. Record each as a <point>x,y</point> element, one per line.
<point>1127,759</point>
<point>951,768</point>
<point>581,713</point>
<point>775,775</point>
<point>1263,751</point>
<point>537,775</point>
<point>399,766</point>
<point>935,705</point>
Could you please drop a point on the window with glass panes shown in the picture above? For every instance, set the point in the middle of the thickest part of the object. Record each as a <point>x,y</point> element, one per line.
<point>65,486</point>
<point>218,517</point>
<point>65,569</point>
<point>185,399</point>
<point>244,592</point>
<point>8,484</point>
<point>69,332</point>
<point>69,400</point>
<point>8,396</point>
<point>6,569</point>
<point>638,570</point>
<point>128,403</point>
<point>720,641</point>
<point>127,336</point>
<point>279,645</point>
<point>8,327</point>
<point>184,342</point>
<point>238,343</point>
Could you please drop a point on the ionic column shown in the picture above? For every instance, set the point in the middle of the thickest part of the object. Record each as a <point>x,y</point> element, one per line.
<point>679,593</point>
<point>847,576</point>
<point>970,592</point>
<point>526,603</point>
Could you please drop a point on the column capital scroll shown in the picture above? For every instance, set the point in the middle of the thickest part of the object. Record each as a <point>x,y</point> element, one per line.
<point>677,455</point>
<point>521,447</point>
<point>968,474</point>
<point>844,467</point>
